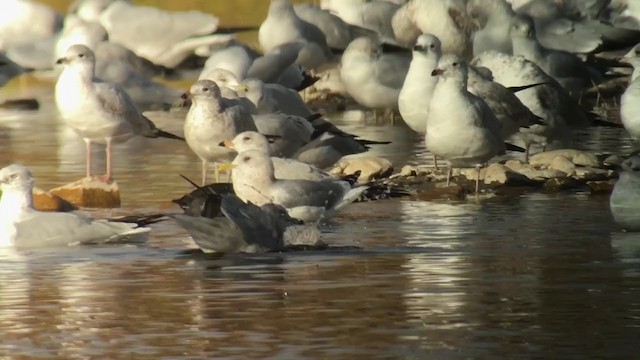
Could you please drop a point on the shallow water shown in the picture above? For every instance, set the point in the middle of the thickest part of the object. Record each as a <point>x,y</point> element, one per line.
<point>529,276</point>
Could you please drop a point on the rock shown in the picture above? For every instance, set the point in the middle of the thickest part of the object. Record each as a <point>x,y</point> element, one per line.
<point>563,164</point>
<point>577,157</point>
<point>501,174</point>
<point>563,183</point>
<point>593,174</point>
<point>45,201</point>
<point>370,167</point>
<point>90,192</point>
<point>518,166</point>
<point>613,160</point>
<point>543,175</point>
<point>601,187</point>
<point>408,170</point>
<point>441,191</point>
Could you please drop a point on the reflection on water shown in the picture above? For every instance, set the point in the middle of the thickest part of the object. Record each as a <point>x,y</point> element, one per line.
<point>533,276</point>
<point>537,276</point>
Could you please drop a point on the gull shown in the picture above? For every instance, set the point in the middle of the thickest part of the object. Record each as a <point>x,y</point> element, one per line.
<point>229,225</point>
<point>512,114</point>
<point>625,197</point>
<point>558,64</point>
<point>549,101</point>
<point>254,181</point>
<point>630,101</point>
<point>8,69</point>
<point>374,15</point>
<point>288,133</point>
<point>270,98</point>
<point>98,111</point>
<point>446,19</point>
<point>275,66</point>
<point>166,38</point>
<point>337,32</point>
<point>115,64</point>
<point>497,16</point>
<point>415,96</point>
<point>26,21</point>
<point>563,26</point>
<point>22,226</point>
<point>282,26</point>
<point>41,55</point>
<point>283,168</point>
<point>633,58</point>
<point>461,127</point>
<point>372,78</point>
<point>212,119</point>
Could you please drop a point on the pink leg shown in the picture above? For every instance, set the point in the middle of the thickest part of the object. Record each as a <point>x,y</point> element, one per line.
<point>87,144</point>
<point>107,176</point>
<point>204,173</point>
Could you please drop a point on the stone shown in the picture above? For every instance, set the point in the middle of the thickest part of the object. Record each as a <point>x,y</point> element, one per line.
<point>593,174</point>
<point>543,174</point>
<point>408,170</point>
<point>501,174</point>
<point>45,201</point>
<point>370,167</point>
<point>441,191</point>
<point>90,192</point>
<point>602,186</point>
<point>613,160</point>
<point>563,164</point>
<point>563,183</point>
<point>577,157</point>
<point>518,166</point>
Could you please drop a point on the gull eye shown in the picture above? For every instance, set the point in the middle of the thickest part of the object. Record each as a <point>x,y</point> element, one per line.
<point>246,158</point>
<point>432,46</point>
<point>246,138</point>
<point>81,55</point>
<point>205,89</point>
<point>455,64</point>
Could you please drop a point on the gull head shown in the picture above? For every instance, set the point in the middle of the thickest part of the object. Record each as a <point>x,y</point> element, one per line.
<point>452,67</point>
<point>522,26</point>
<point>428,44</point>
<point>632,57</point>
<point>364,46</point>
<point>250,88</point>
<point>203,89</point>
<point>78,55</point>
<point>252,165</point>
<point>16,177</point>
<point>222,77</point>
<point>249,140</point>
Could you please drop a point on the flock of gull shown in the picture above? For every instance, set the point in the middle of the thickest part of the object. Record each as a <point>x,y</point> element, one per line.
<point>476,78</point>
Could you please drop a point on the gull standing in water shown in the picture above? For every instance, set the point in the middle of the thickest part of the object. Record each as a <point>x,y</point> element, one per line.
<point>461,127</point>
<point>98,111</point>
<point>254,181</point>
<point>22,226</point>
<point>418,86</point>
<point>283,25</point>
<point>211,120</point>
<point>372,78</point>
<point>630,101</point>
<point>625,198</point>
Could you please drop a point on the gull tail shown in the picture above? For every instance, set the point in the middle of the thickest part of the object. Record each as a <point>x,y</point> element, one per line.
<point>167,135</point>
<point>351,196</point>
<point>515,89</point>
<point>307,81</point>
<point>512,147</point>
